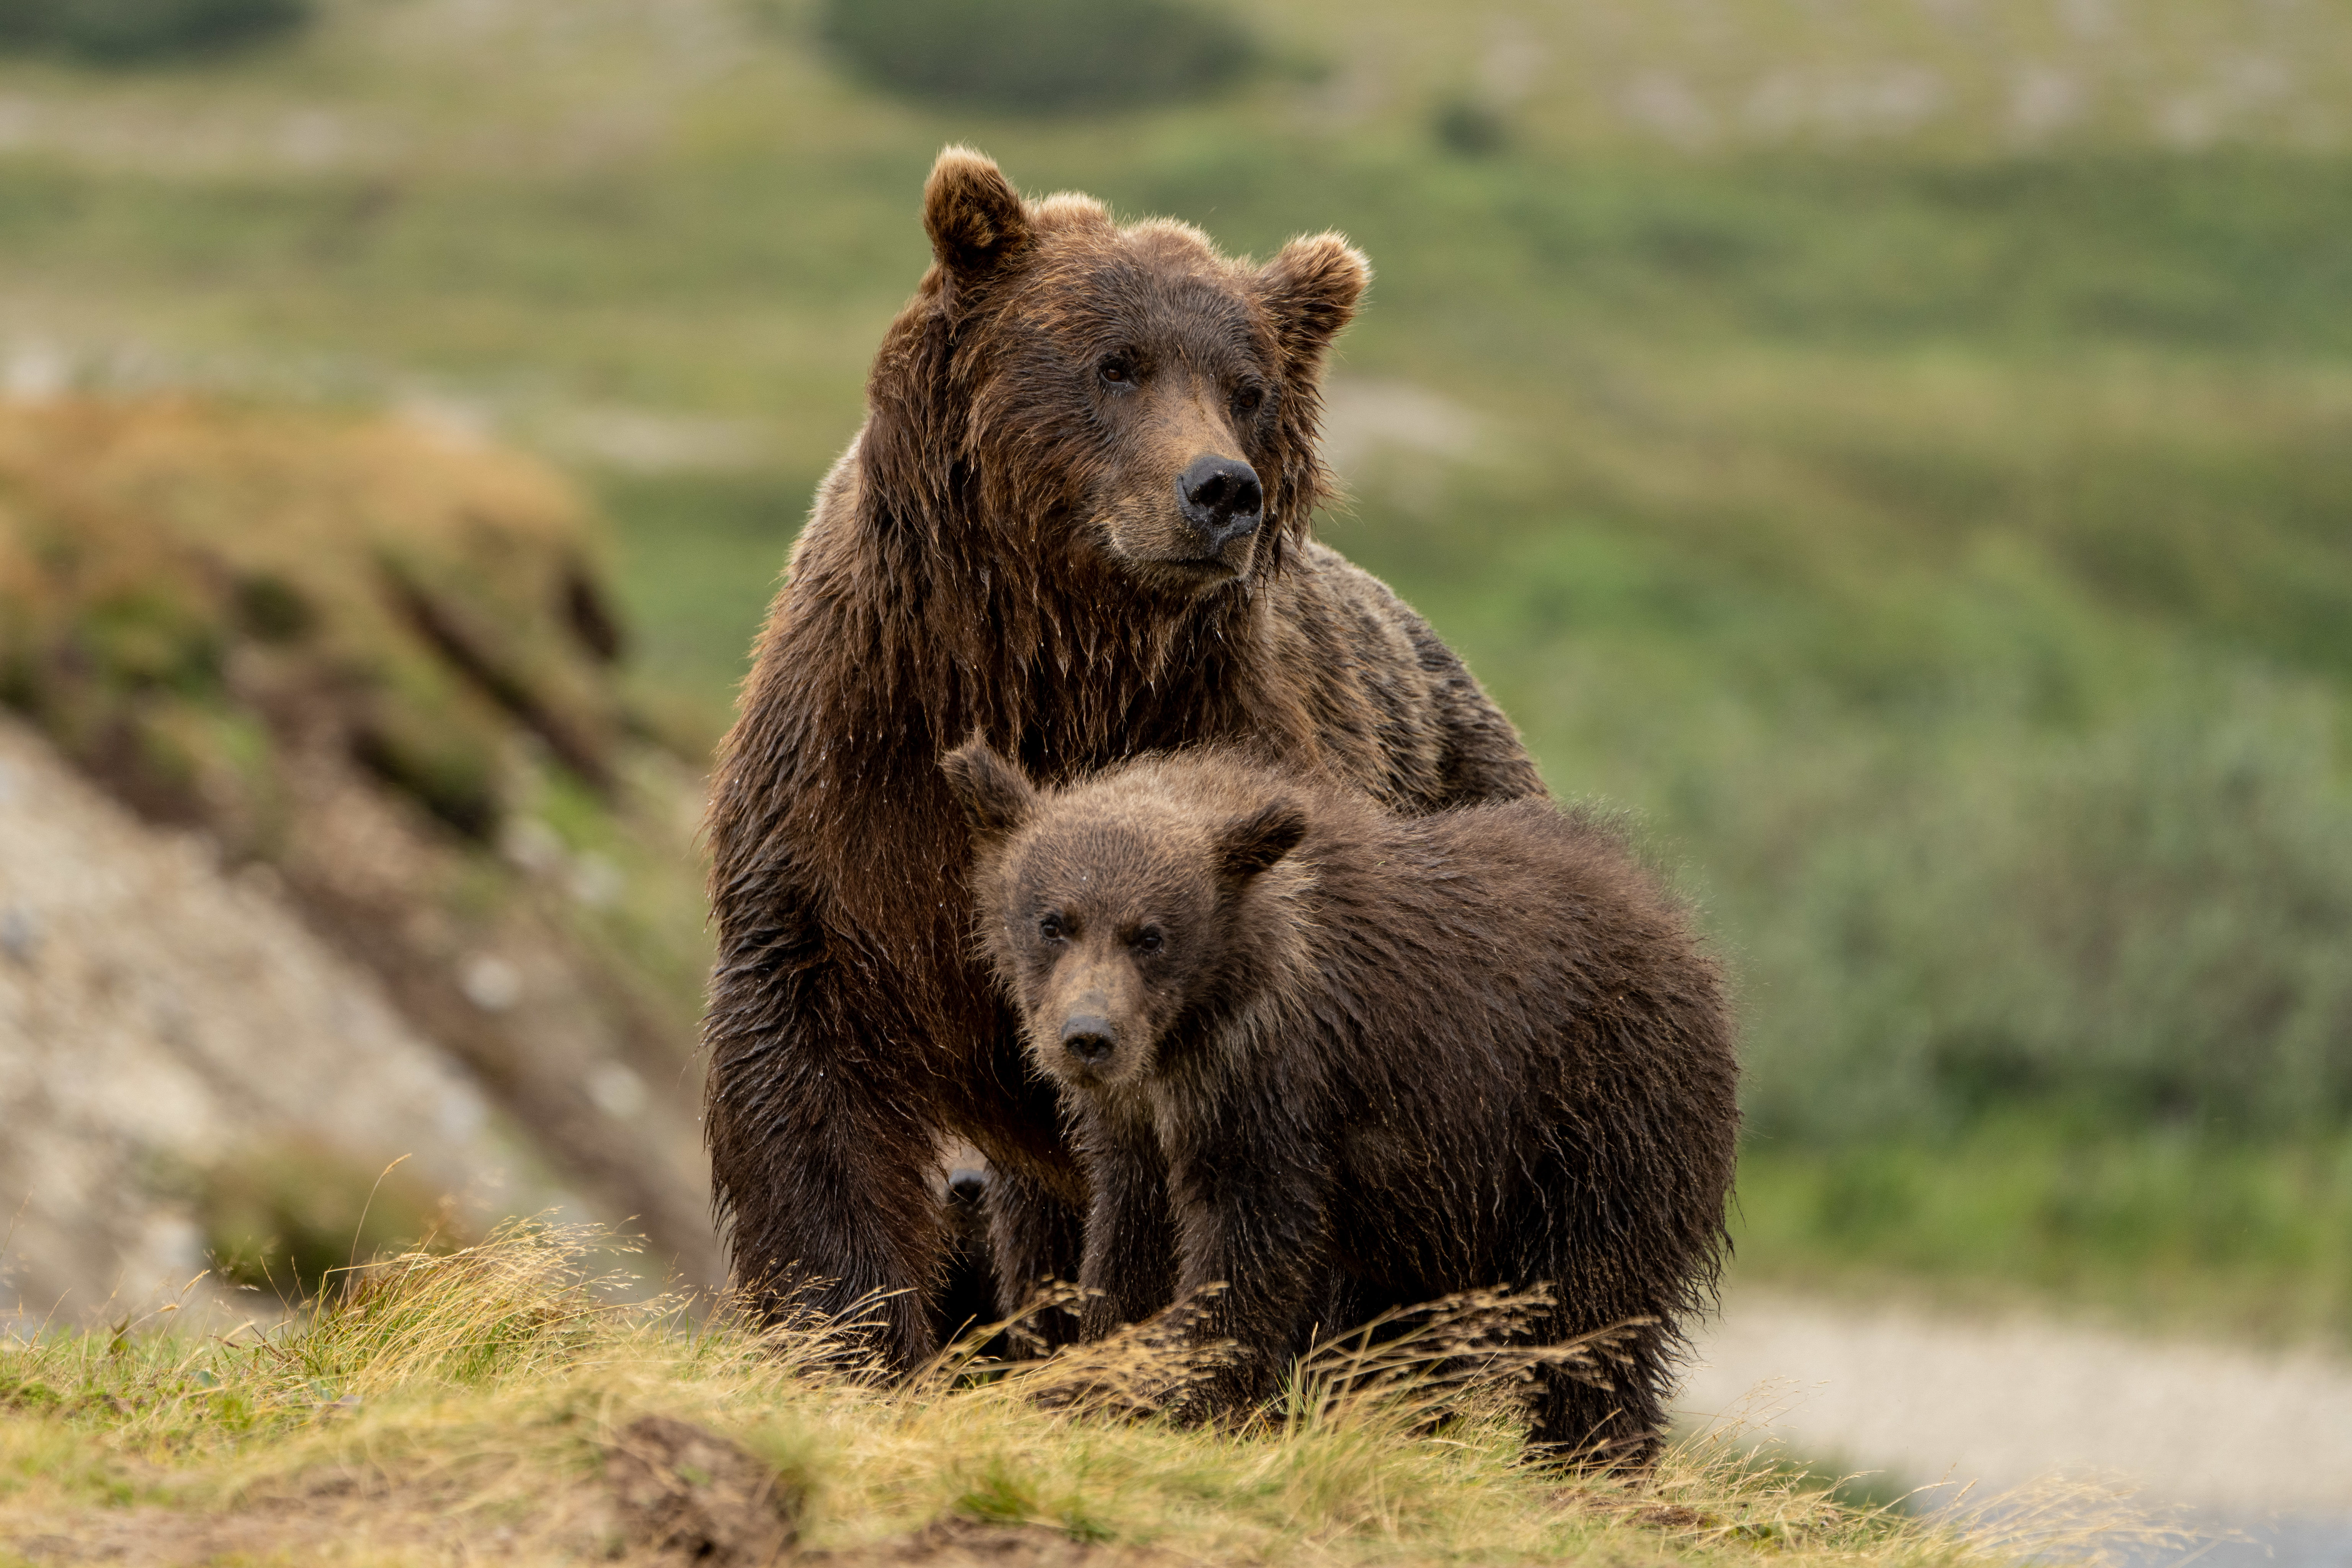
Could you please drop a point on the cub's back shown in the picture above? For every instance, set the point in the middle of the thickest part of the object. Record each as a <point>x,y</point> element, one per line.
<point>1520,878</point>
<point>1505,932</point>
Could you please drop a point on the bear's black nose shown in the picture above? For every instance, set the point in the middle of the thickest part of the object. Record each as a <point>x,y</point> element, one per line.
<point>1221,497</point>
<point>1088,1039</point>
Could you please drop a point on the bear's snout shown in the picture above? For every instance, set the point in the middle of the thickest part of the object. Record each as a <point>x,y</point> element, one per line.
<point>1221,498</point>
<point>1089,1038</point>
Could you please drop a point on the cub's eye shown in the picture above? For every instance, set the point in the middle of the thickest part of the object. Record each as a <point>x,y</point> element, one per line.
<point>1247,399</point>
<point>1149,940</point>
<point>1050,928</point>
<point>1116,370</point>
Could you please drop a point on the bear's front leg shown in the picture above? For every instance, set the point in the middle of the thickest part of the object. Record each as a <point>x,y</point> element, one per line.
<point>815,1149</point>
<point>1253,1217</point>
<point>1129,1272</point>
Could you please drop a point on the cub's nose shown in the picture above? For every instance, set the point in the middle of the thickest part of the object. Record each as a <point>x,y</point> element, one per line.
<point>1088,1039</point>
<point>966,1187</point>
<point>1221,497</point>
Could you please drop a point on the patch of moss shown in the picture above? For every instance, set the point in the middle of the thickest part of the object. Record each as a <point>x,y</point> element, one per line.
<point>19,1393</point>
<point>148,634</point>
<point>445,771</point>
<point>291,1217</point>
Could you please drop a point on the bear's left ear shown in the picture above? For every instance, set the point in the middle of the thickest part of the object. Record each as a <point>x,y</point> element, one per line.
<point>1313,287</point>
<point>1254,843</point>
<point>974,215</point>
<point>995,796</point>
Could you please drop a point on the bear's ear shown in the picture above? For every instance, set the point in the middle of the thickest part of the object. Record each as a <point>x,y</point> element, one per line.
<point>1312,287</point>
<point>1250,844</point>
<point>974,215</point>
<point>995,796</point>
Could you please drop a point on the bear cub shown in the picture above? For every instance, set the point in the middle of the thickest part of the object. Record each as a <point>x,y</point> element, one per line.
<point>1336,1060</point>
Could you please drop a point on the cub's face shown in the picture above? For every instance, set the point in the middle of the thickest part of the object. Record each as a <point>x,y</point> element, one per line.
<point>1105,937</point>
<point>1108,916</point>
<point>1131,389</point>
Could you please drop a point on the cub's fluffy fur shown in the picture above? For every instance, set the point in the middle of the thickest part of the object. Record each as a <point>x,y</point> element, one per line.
<point>1338,1059</point>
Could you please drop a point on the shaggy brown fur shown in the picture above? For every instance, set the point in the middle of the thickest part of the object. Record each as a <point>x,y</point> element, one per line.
<point>1339,1060</point>
<point>1022,541</point>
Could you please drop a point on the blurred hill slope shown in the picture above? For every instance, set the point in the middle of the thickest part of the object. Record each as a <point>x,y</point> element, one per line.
<point>375,663</point>
<point>161,1025</point>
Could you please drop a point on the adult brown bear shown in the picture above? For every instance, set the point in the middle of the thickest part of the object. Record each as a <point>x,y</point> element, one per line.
<point>1075,523</point>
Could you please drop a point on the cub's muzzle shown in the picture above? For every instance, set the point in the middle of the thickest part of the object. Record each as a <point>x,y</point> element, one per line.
<point>1089,1038</point>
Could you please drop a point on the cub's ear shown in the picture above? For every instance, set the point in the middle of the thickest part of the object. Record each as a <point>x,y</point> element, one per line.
<point>995,796</point>
<point>1313,286</point>
<point>1250,844</point>
<point>974,215</point>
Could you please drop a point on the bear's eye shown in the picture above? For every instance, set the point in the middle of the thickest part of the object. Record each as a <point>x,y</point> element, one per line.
<point>1117,371</point>
<point>1050,928</point>
<point>1149,940</point>
<point>1247,399</point>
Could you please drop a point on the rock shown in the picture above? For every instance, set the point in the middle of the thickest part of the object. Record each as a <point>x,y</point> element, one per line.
<point>157,1018</point>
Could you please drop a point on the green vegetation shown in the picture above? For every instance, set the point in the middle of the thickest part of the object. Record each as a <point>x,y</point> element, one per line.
<point>480,1400</point>
<point>123,31</point>
<point>2160,1228</point>
<point>290,1218</point>
<point>1927,509</point>
<point>1038,57</point>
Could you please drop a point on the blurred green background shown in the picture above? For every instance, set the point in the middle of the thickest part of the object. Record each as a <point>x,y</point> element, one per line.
<point>1902,450</point>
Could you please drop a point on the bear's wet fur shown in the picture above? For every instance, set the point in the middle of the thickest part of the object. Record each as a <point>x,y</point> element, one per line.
<point>1339,1060</point>
<point>1075,521</point>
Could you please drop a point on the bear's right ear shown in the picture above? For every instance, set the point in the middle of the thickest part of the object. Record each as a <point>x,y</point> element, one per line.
<point>1313,286</point>
<point>1254,843</point>
<point>974,215</point>
<point>995,796</point>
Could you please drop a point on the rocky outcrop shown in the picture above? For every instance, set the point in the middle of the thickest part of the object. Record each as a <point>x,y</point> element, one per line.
<point>160,1019</point>
<point>361,689</point>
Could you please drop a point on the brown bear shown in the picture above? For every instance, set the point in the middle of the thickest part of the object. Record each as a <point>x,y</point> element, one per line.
<point>1075,522</point>
<point>1334,1060</point>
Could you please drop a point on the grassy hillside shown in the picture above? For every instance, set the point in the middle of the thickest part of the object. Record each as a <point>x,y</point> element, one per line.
<point>489,1404</point>
<point>1900,451</point>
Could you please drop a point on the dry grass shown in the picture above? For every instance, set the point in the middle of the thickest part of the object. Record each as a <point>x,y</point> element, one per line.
<point>461,1406</point>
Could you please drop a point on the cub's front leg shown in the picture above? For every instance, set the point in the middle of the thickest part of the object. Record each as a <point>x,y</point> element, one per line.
<point>1129,1268</point>
<point>1251,1205</point>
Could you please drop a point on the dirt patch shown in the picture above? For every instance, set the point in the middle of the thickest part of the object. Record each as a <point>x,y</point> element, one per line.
<point>968,1544</point>
<point>660,1509</point>
<point>157,1013</point>
<point>321,1530</point>
<point>690,1496</point>
<point>1366,422</point>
